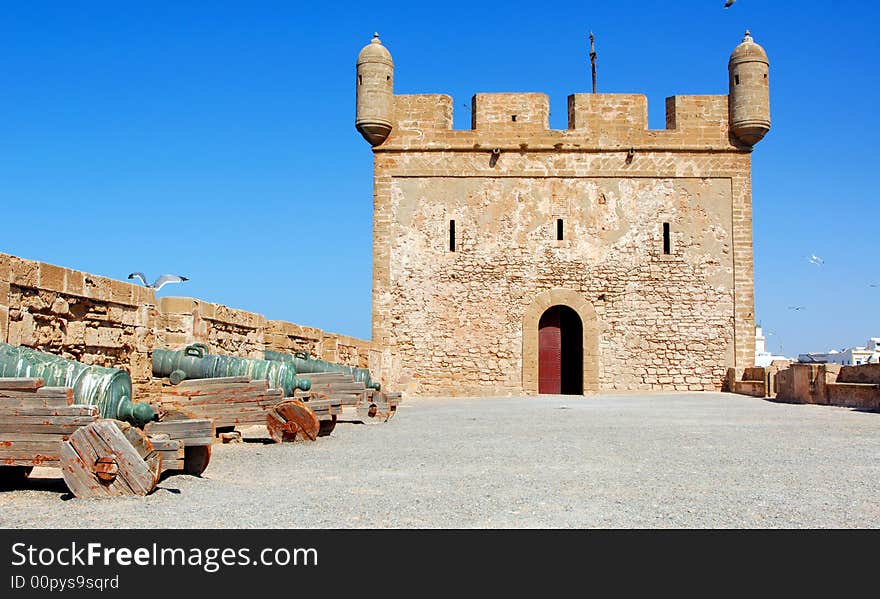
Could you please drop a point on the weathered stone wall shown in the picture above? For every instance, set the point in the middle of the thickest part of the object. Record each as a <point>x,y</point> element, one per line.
<point>454,321</point>
<point>754,381</point>
<point>77,315</point>
<point>864,374</point>
<point>827,384</point>
<point>351,351</point>
<point>806,383</point>
<point>184,320</point>
<point>288,337</point>
<point>862,396</point>
<point>97,320</point>
<point>772,371</point>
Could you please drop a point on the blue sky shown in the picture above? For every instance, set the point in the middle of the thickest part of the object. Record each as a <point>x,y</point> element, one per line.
<point>217,139</point>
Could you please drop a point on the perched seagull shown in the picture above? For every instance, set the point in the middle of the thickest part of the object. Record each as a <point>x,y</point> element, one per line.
<point>795,307</point>
<point>158,283</point>
<point>814,259</point>
<point>729,3</point>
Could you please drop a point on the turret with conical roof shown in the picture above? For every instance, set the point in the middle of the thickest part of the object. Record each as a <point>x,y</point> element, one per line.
<point>749,71</point>
<point>375,92</point>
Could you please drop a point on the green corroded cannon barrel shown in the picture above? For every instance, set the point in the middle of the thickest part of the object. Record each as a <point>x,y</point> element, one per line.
<point>107,388</point>
<point>304,364</point>
<point>194,362</point>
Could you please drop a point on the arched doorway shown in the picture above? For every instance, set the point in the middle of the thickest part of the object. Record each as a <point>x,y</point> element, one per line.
<point>560,352</point>
<point>542,302</point>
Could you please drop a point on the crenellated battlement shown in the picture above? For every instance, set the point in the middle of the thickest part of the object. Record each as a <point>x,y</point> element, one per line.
<point>608,112</point>
<point>510,112</point>
<point>417,112</point>
<point>595,122</point>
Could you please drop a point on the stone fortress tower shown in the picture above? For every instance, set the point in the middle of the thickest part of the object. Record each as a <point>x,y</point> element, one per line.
<point>511,258</point>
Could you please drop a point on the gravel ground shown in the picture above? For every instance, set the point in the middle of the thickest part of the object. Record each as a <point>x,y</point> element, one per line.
<point>684,460</point>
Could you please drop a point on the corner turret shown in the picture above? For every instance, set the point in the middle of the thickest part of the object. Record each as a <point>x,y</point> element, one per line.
<point>749,71</point>
<point>375,92</point>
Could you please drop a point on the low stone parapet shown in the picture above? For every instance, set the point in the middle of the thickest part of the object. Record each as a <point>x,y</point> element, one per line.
<point>864,396</point>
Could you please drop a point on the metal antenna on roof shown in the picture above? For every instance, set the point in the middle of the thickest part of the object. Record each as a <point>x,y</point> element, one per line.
<point>593,59</point>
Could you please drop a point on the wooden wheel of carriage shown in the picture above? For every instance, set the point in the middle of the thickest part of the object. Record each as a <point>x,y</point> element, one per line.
<point>292,420</point>
<point>327,426</point>
<point>372,414</point>
<point>195,457</point>
<point>108,458</point>
<point>389,408</point>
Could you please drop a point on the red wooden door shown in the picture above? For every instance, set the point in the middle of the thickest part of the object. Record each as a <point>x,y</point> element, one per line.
<point>550,353</point>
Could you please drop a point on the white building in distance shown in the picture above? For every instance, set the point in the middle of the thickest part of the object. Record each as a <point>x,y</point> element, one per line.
<point>853,356</point>
<point>763,358</point>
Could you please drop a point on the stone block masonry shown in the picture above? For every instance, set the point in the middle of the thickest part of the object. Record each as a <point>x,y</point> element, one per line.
<point>97,320</point>
<point>77,315</point>
<point>454,320</point>
<point>184,321</point>
<point>825,384</point>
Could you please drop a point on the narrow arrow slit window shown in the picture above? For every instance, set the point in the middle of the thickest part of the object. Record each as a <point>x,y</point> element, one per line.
<point>452,236</point>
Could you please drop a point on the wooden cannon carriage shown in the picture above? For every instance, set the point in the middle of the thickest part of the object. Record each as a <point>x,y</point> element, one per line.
<point>359,403</point>
<point>41,426</point>
<point>361,397</point>
<point>238,401</point>
<point>236,391</point>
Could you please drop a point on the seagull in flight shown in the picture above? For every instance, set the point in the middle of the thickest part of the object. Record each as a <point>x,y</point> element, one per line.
<point>729,3</point>
<point>158,283</point>
<point>814,259</point>
<point>795,307</point>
